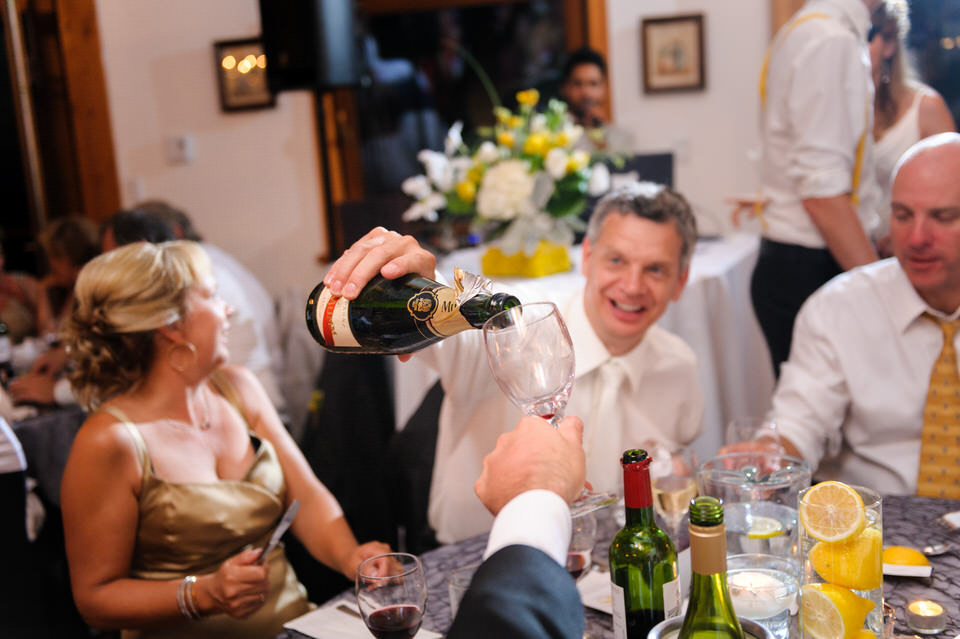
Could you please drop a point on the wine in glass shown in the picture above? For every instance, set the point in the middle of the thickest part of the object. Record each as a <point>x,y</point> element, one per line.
<point>583,536</point>
<point>391,593</point>
<point>673,489</point>
<point>531,356</point>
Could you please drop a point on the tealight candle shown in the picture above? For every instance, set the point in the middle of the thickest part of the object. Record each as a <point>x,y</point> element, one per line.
<point>926,617</point>
<point>758,595</point>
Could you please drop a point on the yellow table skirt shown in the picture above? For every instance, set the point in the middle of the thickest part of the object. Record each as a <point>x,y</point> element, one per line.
<point>547,259</point>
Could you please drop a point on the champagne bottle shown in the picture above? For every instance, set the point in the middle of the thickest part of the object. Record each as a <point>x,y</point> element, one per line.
<point>401,315</point>
<point>644,582</point>
<point>710,612</point>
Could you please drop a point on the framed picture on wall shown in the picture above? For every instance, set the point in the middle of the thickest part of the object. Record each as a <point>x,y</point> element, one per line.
<point>242,75</point>
<point>672,54</point>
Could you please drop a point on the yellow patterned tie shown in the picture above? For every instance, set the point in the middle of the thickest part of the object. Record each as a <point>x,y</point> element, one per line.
<point>939,473</point>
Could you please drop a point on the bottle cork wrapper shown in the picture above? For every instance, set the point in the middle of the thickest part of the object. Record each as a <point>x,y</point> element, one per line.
<point>711,549</point>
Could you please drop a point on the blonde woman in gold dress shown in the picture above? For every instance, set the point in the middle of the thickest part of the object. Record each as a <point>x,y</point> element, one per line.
<point>183,468</point>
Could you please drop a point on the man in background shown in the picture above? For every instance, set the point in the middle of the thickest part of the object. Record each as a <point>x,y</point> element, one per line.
<point>584,88</point>
<point>817,170</point>
<point>871,392</point>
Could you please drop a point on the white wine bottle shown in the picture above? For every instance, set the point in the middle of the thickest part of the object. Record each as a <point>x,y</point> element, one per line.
<point>401,315</point>
<point>710,613</point>
<point>643,561</point>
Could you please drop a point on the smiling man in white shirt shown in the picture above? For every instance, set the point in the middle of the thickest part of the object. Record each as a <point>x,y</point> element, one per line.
<point>853,394</point>
<point>817,168</point>
<point>635,382</point>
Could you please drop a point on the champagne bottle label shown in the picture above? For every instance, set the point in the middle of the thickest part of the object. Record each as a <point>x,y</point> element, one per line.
<point>671,598</point>
<point>333,321</point>
<point>619,611</point>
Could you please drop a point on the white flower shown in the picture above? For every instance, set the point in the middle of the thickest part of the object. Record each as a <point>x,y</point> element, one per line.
<point>505,191</point>
<point>538,123</point>
<point>454,139</point>
<point>459,167</point>
<point>425,209</point>
<point>573,133</point>
<point>556,163</point>
<point>599,180</point>
<point>438,169</point>
<point>418,187</point>
<point>487,153</point>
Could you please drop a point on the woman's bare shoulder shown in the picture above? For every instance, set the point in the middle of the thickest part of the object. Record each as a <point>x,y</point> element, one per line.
<point>105,436</point>
<point>934,115</point>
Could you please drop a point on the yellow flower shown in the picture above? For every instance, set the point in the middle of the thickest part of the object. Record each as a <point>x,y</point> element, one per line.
<point>561,139</point>
<point>502,114</point>
<point>475,173</point>
<point>528,98</point>
<point>536,144</point>
<point>577,161</point>
<point>515,122</point>
<point>505,138</point>
<point>467,190</point>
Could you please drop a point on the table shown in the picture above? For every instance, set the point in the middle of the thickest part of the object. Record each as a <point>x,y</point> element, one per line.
<point>907,521</point>
<point>714,316</point>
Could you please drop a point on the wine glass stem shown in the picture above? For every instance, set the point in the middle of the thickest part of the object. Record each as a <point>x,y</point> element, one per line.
<point>555,420</point>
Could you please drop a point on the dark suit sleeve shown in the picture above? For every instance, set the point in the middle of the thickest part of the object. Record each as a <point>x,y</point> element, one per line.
<point>520,593</point>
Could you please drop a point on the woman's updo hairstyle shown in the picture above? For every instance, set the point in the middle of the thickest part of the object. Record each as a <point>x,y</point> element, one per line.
<point>122,297</point>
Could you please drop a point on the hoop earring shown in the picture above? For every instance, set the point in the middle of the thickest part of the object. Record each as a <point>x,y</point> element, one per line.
<point>173,349</point>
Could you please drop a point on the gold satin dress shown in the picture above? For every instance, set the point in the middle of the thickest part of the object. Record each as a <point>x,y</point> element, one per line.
<point>192,528</point>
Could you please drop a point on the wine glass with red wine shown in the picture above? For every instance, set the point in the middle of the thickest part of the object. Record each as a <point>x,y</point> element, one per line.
<point>583,536</point>
<point>392,595</point>
<point>531,355</point>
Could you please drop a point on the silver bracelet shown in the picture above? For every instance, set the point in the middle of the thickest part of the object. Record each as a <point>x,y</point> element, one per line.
<point>185,601</point>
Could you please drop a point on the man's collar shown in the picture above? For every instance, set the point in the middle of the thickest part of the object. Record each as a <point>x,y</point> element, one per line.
<point>907,306</point>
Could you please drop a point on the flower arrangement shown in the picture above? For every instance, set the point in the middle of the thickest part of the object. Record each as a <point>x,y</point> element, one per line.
<point>524,185</point>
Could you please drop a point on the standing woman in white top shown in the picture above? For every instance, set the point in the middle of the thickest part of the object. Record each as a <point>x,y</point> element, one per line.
<point>905,110</point>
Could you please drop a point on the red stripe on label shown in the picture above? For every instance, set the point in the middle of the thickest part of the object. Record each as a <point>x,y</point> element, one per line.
<point>326,325</point>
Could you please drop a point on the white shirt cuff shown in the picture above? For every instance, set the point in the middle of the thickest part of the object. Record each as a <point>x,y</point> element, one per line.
<point>536,518</point>
<point>62,393</point>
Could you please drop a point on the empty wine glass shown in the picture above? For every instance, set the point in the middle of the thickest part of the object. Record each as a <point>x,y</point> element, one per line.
<point>673,480</point>
<point>391,593</point>
<point>583,536</point>
<point>531,355</point>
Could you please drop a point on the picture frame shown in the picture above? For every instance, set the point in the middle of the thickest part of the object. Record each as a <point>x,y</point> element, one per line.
<point>672,54</point>
<point>242,75</point>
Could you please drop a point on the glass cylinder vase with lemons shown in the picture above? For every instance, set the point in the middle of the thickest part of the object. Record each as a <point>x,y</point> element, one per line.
<point>841,545</point>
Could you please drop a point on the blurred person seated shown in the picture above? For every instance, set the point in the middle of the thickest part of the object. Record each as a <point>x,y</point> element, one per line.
<point>905,110</point>
<point>634,381</point>
<point>583,86</point>
<point>18,302</point>
<point>178,477</point>
<point>68,243</point>
<point>871,392</point>
<point>522,589</point>
<point>254,335</point>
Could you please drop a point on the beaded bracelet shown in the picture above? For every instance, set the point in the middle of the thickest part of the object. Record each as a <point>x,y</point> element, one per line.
<point>185,600</point>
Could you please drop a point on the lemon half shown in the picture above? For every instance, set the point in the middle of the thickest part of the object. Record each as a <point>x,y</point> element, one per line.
<point>832,511</point>
<point>832,612</point>
<point>854,563</point>
<point>765,528</point>
<point>903,556</point>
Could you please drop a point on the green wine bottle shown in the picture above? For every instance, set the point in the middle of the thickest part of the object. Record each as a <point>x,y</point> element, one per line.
<point>643,562</point>
<point>710,612</point>
<point>401,315</point>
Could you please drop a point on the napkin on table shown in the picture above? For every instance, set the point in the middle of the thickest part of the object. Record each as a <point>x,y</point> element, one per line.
<point>329,623</point>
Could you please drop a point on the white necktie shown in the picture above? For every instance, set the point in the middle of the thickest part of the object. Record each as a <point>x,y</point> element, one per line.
<point>605,416</point>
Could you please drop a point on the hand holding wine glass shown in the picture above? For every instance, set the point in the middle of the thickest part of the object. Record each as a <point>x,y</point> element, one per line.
<point>391,592</point>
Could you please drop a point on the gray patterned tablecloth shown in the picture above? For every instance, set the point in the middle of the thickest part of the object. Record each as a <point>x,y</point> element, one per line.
<point>907,521</point>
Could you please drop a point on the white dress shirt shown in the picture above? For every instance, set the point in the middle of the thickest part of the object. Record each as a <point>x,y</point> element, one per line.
<point>536,518</point>
<point>852,394</point>
<point>819,102</point>
<point>661,400</point>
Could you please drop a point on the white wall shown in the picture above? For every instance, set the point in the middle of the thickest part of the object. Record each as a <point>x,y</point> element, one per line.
<point>254,187</point>
<point>711,131</point>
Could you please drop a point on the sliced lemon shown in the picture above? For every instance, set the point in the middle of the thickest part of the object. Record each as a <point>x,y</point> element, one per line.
<point>765,528</point>
<point>854,563</point>
<point>832,511</point>
<point>903,556</point>
<point>832,612</point>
